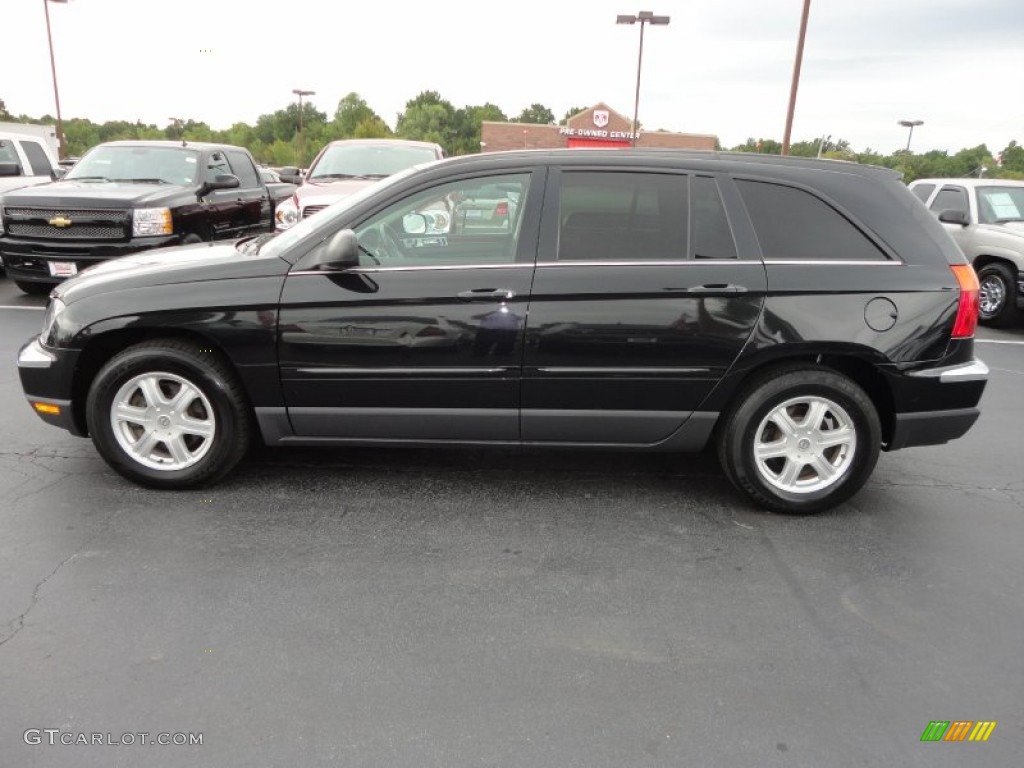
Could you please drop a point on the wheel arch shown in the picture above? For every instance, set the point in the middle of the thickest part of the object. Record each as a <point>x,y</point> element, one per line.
<point>103,347</point>
<point>854,366</point>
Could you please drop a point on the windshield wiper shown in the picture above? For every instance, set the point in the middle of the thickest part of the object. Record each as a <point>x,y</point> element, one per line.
<point>1004,221</point>
<point>142,181</point>
<point>86,178</point>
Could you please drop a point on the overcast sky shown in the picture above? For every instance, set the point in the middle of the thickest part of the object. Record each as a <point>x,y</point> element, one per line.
<point>721,66</point>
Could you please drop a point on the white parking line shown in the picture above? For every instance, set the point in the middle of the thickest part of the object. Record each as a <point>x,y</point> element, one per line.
<point>14,306</point>
<point>996,341</point>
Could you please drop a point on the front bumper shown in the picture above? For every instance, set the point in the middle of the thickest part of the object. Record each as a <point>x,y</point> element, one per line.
<point>47,378</point>
<point>959,385</point>
<point>28,260</point>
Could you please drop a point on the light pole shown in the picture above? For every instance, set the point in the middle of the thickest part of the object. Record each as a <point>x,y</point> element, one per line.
<point>909,124</point>
<point>300,93</point>
<point>53,70</point>
<point>643,18</point>
<point>796,76</point>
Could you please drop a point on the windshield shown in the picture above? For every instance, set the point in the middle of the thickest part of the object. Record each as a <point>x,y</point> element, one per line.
<point>314,226</point>
<point>1000,204</point>
<point>367,160</point>
<point>170,165</point>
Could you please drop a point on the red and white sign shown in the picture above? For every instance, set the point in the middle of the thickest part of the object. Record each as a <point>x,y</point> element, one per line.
<point>600,117</point>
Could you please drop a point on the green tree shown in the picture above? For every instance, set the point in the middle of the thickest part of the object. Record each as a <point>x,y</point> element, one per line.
<point>4,114</point>
<point>536,113</point>
<point>371,128</point>
<point>1012,156</point>
<point>428,117</point>
<point>351,112</point>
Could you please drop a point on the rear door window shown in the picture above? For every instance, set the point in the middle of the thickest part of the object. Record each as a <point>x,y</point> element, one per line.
<point>622,216</point>
<point>243,168</point>
<point>37,158</point>
<point>794,225</point>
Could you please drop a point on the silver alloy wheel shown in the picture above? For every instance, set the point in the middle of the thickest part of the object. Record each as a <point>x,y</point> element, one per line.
<point>805,445</point>
<point>993,294</point>
<point>163,421</point>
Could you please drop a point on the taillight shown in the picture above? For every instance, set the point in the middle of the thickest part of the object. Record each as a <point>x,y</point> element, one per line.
<point>967,310</point>
<point>501,209</point>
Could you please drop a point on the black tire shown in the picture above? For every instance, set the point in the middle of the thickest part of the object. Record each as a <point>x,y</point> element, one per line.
<point>191,239</point>
<point>998,295</point>
<point>33,289</point>
<point>219,402</point>
<point>748,423</point>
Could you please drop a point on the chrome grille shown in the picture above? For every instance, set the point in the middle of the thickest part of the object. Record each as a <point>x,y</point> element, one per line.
<point>309,210</point>
<point>105,214</point>
<point>86,223</point>
<point>74,232</point>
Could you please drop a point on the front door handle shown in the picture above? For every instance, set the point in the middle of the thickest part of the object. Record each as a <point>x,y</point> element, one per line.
<point>717,288</point>
<point>481,294</point>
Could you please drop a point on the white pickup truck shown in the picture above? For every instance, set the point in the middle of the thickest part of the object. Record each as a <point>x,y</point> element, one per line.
<point>986,219</point>
<point>25,160</point>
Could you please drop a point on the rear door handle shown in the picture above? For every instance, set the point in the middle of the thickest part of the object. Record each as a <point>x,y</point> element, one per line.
<point>717,288</point>
<point>480,294</point>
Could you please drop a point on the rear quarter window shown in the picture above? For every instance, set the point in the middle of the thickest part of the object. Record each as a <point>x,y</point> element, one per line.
<point>794,225</point>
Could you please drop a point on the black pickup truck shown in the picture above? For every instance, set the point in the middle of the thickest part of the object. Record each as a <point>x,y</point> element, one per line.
<point>128,196</point>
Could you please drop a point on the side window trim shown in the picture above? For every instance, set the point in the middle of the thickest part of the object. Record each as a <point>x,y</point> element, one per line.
<point>960,191</point>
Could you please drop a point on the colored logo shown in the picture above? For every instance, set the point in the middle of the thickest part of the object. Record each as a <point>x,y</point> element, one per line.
<point>59,221</point>
<point>600,117</point>
<point>958,730</point>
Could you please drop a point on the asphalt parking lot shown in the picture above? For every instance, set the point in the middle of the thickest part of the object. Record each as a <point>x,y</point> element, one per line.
<point>468,608</point>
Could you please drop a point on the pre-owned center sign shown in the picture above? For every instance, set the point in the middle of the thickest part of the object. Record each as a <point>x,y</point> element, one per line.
<point>598,133</point>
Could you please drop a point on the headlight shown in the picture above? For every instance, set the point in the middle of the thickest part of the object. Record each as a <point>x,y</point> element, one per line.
<point>151,221</point>
<point>54,308</point>
<point>287,214</point>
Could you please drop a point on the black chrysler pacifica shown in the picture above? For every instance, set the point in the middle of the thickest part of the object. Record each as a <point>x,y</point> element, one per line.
<point>799,315</point>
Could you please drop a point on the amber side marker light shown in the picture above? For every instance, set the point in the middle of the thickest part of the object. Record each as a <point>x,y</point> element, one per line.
<point>967,310</point>
<point>47,408</point>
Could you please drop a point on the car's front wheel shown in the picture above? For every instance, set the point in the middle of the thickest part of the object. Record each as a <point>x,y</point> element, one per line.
<point>800,440</point>
<point>997,298</point>
<point>168,414</point>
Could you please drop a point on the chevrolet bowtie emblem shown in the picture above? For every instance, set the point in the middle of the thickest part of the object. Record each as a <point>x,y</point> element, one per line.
<point>59,221</point>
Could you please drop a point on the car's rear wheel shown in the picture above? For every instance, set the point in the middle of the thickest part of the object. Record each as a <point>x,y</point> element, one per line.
<point>168,414</point>
<point>997,299</point>
<point>33,289</point>
<point>800,440</point>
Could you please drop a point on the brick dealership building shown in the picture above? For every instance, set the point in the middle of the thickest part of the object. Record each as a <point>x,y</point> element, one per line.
<point>599,126</point>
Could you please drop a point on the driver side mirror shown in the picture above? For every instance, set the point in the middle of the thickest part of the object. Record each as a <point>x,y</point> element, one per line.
<point>57,173</point>
<point>223,181</point>
<point>341,251</point>
<point>955,217</point>
<point>414,223</point>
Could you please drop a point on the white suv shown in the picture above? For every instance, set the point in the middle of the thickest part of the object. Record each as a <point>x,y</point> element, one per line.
<point>986,219</point>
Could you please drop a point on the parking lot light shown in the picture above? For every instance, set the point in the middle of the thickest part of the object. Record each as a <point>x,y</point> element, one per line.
<point>300,93</point>
<point>53,70</point>
<point>643,18</point>
<point>909,124</point>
